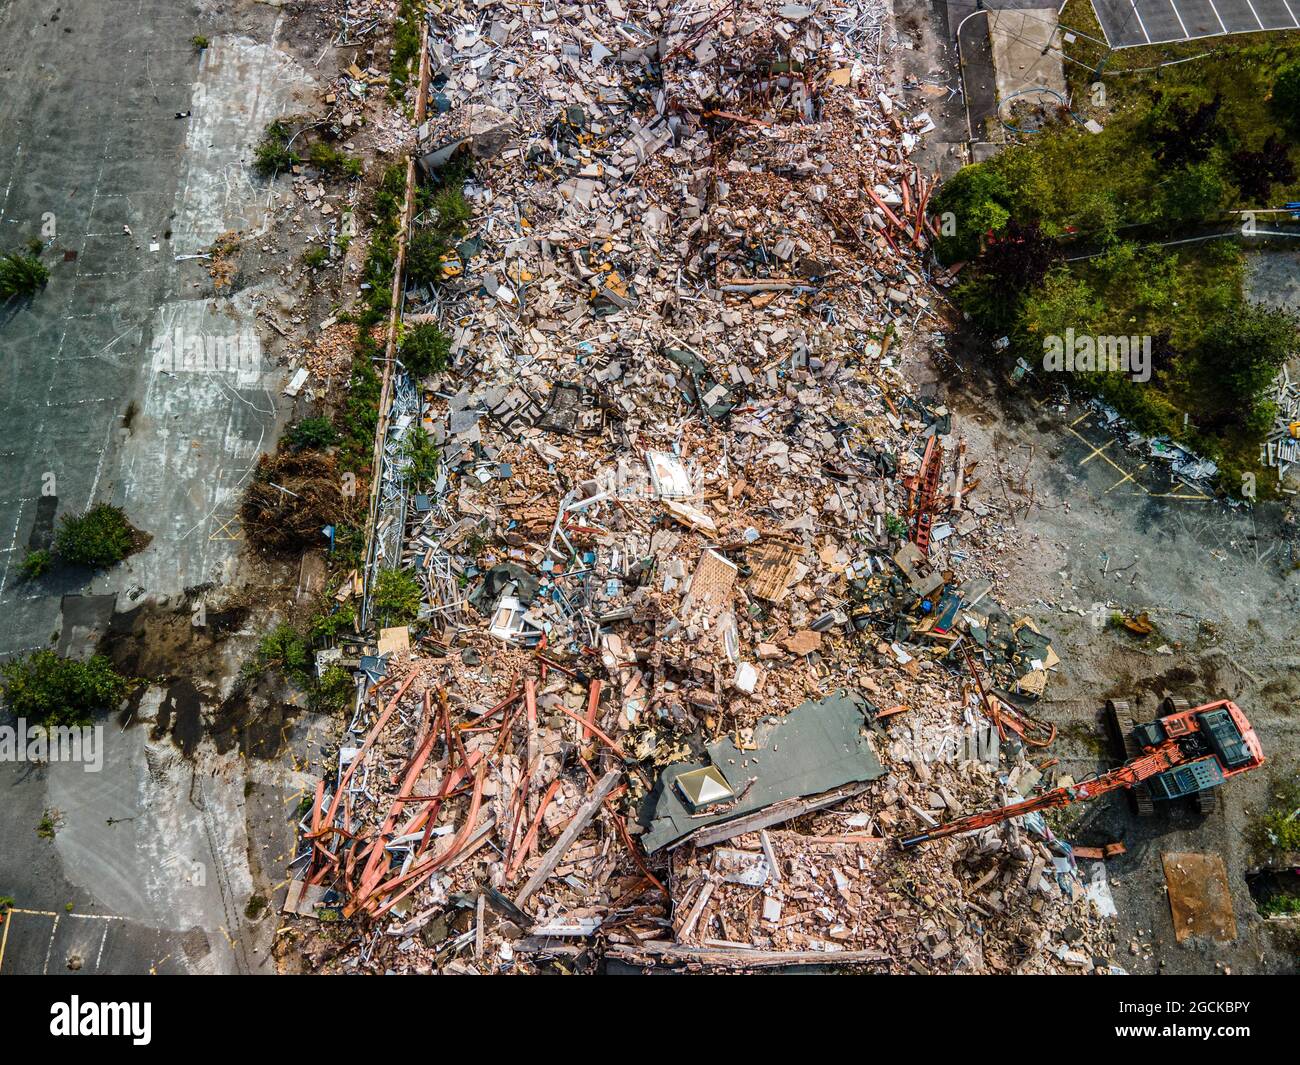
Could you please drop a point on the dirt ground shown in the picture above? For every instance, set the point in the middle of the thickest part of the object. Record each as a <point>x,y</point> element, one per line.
<point>1091,530</point>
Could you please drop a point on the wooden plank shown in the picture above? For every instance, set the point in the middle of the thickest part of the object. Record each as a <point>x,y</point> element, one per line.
<point>736,958</point>
<point>574,829</point>
<point>768,816</point>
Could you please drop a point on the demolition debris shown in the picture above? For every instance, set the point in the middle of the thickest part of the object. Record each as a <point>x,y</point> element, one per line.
<point>707,591</point>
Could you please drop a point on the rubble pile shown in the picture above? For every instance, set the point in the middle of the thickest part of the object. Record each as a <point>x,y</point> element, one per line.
<point>1281,449</point>
<point>708,596</point>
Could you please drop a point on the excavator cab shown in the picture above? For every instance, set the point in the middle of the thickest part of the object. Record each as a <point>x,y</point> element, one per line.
<point>1231,746</point>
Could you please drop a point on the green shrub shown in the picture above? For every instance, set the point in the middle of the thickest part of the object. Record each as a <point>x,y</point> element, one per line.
<point>1181,134</point>
<point>979,201</point>
<point>1277,830</point>
<point>327,625</point>
<point>424,349</point>
<point>314,434</point>
<point>349,545</point>
<point>1281,906</point>
<point>333,161</point>
<point>334,691</point>
<point>1193,194</point>
<point>100,537</point>
<point>454,210</point>
<point>36,564</point>
<point>21,275</point>
<point>273,153</point>
<point>316,256</point>
<point>406,46</point>
<point>444,210</point>
<point>48,688</point>
<point>1285,98</point>
<point>199,42</point>
<point>396,597</point>
<point>360,413</point>
<point>424,256</point>
<point>285,650</point>
<point>1237,360</point>
<point>423,455</point>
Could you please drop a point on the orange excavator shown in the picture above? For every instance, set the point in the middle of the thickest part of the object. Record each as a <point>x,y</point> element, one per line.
<point>1186,753</point>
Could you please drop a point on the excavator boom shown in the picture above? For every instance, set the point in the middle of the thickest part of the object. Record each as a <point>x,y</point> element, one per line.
<point>1134,772</point>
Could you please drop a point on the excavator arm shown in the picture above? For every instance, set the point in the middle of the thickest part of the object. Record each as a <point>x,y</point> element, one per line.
<point>1127,775</point>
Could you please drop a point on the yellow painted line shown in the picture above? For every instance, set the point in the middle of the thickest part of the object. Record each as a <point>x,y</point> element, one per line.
<point>223,527</point>
<point>9,919</point>
<point>1126,477</point>
<point>1095,452</point>
<point>1106,458</point>
<point>1120,469</point>
<point>1077,421</point>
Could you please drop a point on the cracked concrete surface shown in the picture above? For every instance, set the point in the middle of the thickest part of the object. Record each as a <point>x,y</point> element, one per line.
<point>90,145</point>
<point>243,85</point>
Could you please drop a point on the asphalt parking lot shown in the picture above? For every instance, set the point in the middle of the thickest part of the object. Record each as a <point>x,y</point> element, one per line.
<point>51,942</point>
<point>1135,22</point>
<point>86,118</point>
<point>122,147</point>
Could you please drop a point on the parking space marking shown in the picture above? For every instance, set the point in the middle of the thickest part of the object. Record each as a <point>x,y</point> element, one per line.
<point>1127,477</point>
<point>1117,21</point>
<point>1097,451</point>
<point>1218,16</point>
<point>1179,494</point>
<point>54,929</point>
<point>223,530</point>
<point>1143,25</point>
<point>1179,16</point>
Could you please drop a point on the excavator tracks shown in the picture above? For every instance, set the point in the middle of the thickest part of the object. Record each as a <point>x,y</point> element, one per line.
<point>1119,716</point>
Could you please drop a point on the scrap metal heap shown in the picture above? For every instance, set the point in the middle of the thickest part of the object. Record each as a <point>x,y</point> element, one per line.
<point>677,683</point>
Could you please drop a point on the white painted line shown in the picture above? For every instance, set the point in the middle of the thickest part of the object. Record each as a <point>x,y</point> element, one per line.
<point>17,160</point>
<point>63,913</point>
<point>1216,15</point>
<point>49,948</point>
<point>1179,16</point>
<point>1290,12</point>
<point>1255,13</point>
<point>18,521</point>
<point>104,939</point>
<point>1133,5</point>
